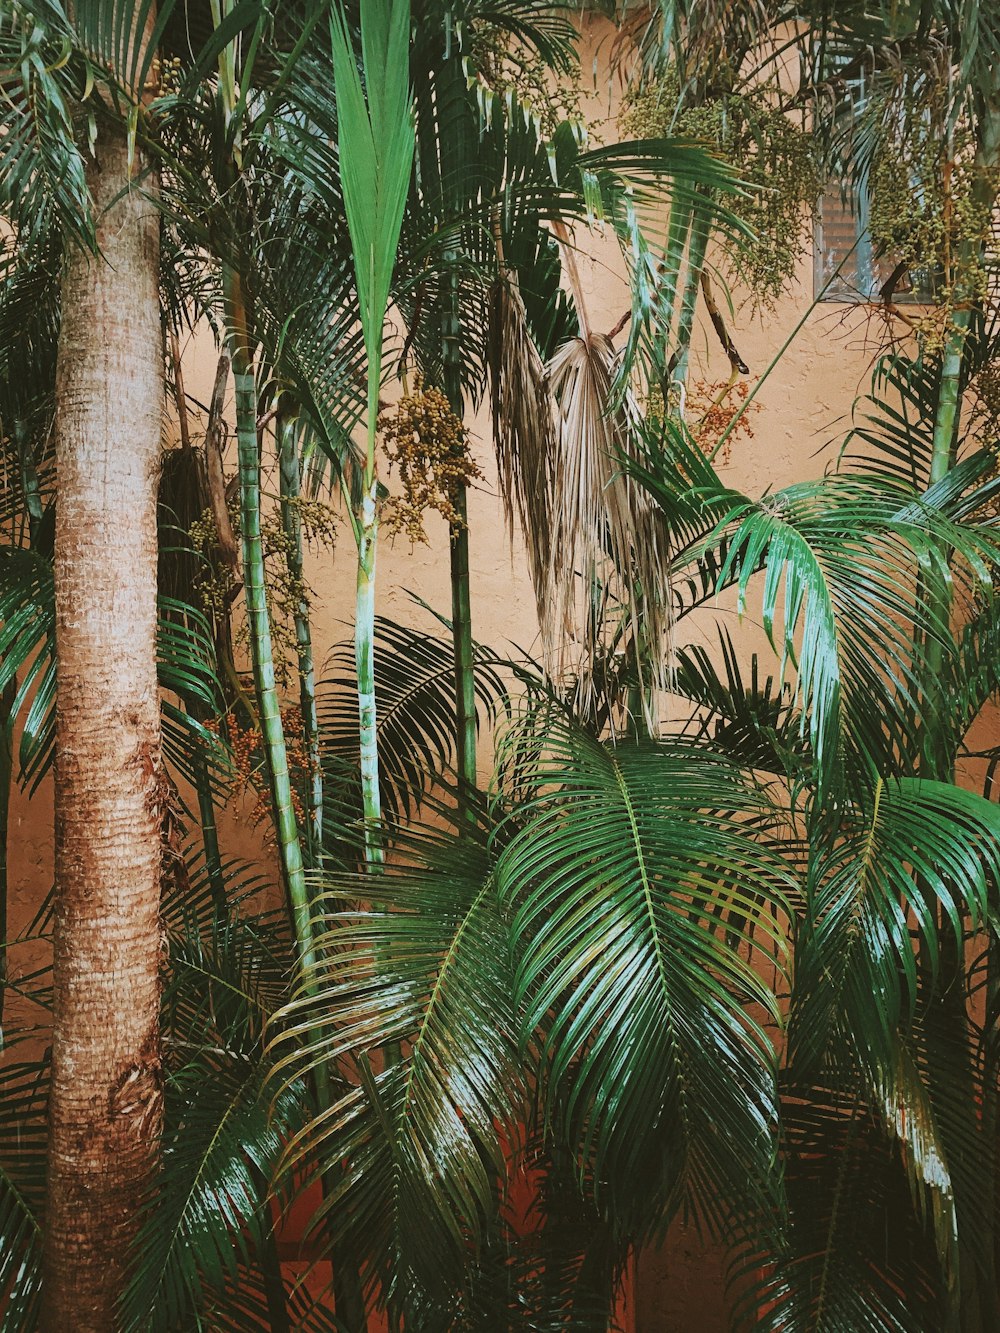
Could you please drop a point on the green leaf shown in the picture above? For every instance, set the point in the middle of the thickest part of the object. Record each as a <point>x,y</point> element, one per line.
<point>418,1141</point>
<point>918,857</point>
<point>376,139</point>
<point>23,1128</point>
<point>639,886</point>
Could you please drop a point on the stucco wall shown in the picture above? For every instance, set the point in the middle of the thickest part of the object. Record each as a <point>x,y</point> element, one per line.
<point>805,404</point>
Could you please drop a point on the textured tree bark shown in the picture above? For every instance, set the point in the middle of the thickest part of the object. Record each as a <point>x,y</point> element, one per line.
<point>106,1083</point>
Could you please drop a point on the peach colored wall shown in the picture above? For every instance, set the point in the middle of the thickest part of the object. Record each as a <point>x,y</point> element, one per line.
<point>805,404</point>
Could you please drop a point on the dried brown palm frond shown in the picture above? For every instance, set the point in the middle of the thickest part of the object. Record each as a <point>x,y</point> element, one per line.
<point>523,426</point>
<point>594,539</point>
<point>608,541</point>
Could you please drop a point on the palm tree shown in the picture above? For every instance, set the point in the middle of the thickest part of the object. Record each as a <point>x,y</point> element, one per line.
<point>585,972</point>
<point>105,1100</point>
<point>112,799</point>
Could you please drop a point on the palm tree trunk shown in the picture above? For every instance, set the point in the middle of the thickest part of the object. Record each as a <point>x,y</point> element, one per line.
<point>364,658</point>
<point>106,1082</point>
<point>271,728</point>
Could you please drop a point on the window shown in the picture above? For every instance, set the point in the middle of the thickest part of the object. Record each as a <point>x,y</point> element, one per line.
<point>841,240</point>
<point>846,266</point>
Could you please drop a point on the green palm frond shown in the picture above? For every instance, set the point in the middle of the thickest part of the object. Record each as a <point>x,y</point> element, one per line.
<point>23,1129</point>
<point>930,1106</point>
<point>972,672</point>
<point>27,654</point>
<point>752,721</point>
<point>376,137</point>
<point>221,1142</point>
<point>201,1227</point>
<point>42,175</point>
<point>842,562</point>
<point>122,35</point>
<point>856,1253</point>
<point>415,708</point>
<point>620,864</point>
<point>422,968</point>
<point>554,1268</point>
<point>29,324</point>
<point>224,982</point>
<point>896,428</point>
<point>190,908</point>
<point>917,858</point>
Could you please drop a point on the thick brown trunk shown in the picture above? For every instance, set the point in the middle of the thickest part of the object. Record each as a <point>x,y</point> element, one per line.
<point>106,1095</point>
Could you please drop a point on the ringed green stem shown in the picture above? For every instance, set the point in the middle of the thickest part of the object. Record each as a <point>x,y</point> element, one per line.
<point>261,650</point>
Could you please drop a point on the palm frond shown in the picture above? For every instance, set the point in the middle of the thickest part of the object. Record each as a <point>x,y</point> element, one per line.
<point>23,1130</point>
<point>42,175</point>
<point>415,708</point>
<point>919,857</point>
<point>620,863</point>
<point>202,1223</point>
<point>752,721</point>
<point>855,1253</point>
<point>842,561</point>
<point>220,1146</point>
<point>420,1139</point>
<point>376,127</point>
<point>27,654</point>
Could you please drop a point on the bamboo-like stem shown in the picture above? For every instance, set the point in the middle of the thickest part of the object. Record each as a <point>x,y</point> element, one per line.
<point>366,532</point>
<point>977,1306</point>
<point>272,730</point>
<point>291,521</point>
<point>270,1268</point>
<point>364,658</point>
<point>465,681</point>
<point>348,1290</point>
<point>349,1298</point>
<point>949,398</point>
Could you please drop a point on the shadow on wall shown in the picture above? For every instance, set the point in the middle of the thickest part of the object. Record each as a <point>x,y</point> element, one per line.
<point>680,1288</point>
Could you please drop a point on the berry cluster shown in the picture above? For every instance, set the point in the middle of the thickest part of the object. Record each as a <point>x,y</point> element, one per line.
<point>248,771</point>
<point>426,441</point>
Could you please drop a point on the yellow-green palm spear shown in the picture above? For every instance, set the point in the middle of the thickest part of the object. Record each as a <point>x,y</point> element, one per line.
<point>375,139</point>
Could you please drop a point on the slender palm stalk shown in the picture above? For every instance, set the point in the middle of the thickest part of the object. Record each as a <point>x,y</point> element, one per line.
<point>7,698</point>
<point>949,397</point>
<point>375,135</point>
<point>290,465</point>
<point>271,727</point>
<point>978,1298</point>
<point>461,605</point>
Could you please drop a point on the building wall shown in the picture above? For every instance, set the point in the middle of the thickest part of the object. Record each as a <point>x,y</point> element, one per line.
<point>805,407</point>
